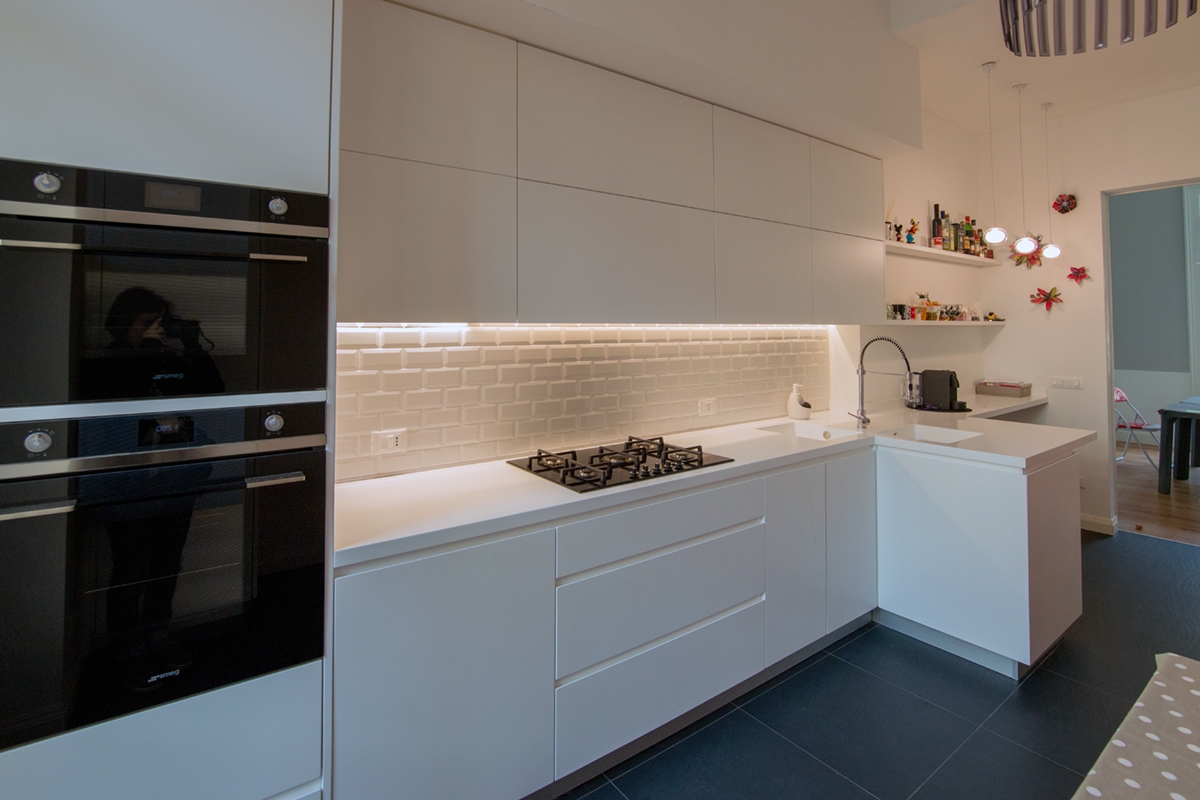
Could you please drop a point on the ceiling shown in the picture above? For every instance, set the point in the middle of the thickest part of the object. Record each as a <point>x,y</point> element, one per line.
<point>954,45</point>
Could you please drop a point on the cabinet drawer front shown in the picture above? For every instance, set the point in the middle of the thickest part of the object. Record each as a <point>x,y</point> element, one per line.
<point>597,714</point>
<point>612,537</point>
<point>616,611</point>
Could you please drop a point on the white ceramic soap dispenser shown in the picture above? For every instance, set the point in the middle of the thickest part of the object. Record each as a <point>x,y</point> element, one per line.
<point>798,408</point>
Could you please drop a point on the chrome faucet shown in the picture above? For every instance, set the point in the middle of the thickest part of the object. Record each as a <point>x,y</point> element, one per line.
<point>910,398</point>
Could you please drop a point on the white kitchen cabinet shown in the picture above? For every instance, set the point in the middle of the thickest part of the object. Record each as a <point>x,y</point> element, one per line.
<point>851,556</point>
<point>764,272</point>
<point>795,544</point>
<point>444,677</point>
<point>760,170</point>
<point>424,243</point>
<point>847,191</point>
<point>592,257</point>
<point>419,87</point>
<point>848,279</point>
<point>222,90</point>
<point>586,127</point>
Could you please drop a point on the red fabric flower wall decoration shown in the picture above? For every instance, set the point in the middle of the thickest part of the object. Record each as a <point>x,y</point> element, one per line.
<point>1027,260</point>
<point>1064,203</point>
<point>1048,298</point>
<point>1079,275</point>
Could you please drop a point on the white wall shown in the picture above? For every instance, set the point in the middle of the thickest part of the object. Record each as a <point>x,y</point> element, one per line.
<point>234,91</point>
<point>1136,144</point>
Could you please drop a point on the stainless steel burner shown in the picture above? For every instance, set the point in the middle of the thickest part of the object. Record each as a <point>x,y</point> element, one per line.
<point>618,460</point>
<point>682,457</point>
<point>552,462</point>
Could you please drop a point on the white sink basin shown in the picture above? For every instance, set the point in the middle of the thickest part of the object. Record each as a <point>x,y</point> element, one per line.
<point>930,433</point>
<point>810,430</point>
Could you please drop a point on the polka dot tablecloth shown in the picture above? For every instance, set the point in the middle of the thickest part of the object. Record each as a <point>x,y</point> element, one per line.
<point>1155,754</point>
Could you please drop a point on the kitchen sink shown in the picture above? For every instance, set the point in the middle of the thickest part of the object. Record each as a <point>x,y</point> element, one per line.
<point>930,433</point>
<point>811,430</point>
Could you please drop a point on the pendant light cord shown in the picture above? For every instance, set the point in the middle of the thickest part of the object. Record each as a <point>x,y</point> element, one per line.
<point>1046,131</point>
<point>991,143</point>
<point>1021,145</point>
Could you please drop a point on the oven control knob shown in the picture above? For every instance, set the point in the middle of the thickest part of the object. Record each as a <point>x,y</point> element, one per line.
<point>38,442</point>
<point>278,206</point>
<point>273,422</point>
<point>46,183</point>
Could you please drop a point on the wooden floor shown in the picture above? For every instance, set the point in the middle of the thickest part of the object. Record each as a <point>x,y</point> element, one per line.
<point>1142,509</point>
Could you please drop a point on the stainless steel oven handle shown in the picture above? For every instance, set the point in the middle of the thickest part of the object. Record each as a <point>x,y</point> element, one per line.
<point>276,257</point>
<point>39,510</point>
<point>274,480</point>
<point>40,245</point>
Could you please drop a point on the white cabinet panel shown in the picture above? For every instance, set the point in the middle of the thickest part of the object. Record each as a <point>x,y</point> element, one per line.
<point>611,537</point>
<point>795,560</point>
<point>848,280</point>
<point>847,191</point>
<point>591,257</point>
<point>418,87</point>
<point>760,170</point>
<point>764,272</point>
<point>851,555</point>
<point>601,712</point>
<point>247,741</point>
<point>583,126</point>
<point>444,682</point>
<point>223,90</point>
<point>621,609</point>
<point>423,243</point>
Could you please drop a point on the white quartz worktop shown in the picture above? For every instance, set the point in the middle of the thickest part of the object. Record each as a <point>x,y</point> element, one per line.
<point>389,516</point>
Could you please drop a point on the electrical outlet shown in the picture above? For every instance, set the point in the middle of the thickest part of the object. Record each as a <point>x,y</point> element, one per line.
<point>708,407</point>
<point>386,442</point>
<point>1058,382</point>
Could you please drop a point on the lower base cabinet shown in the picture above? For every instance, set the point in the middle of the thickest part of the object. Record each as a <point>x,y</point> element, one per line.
<point>444,674</point>
<point>795,523</point>
<point>851,555</point>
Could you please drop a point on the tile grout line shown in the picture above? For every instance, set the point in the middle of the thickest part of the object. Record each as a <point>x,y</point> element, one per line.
<point>668,749</point>
<point>810,755</point>
<point>824,655</point>
<point>914,694</point>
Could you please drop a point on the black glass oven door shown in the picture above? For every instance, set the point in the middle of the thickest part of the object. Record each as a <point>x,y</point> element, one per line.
<point>130,589</point>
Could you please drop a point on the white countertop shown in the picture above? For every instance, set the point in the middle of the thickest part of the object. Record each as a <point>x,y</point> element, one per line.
<point>389,516</point>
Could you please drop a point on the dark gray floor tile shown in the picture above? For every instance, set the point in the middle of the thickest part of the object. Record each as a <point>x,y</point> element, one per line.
<point>1105,656</point>
<point>990,768</point>
<point>1165,552</point>
<point>945,680</point>
<point>780,678</point>
<point>591,790</point>
<point>850,637</point>
<point>1061,719</point>
<point>876,734</point>
<point>1151,584</point>
<point>669,742</point>
<point>736,758</point>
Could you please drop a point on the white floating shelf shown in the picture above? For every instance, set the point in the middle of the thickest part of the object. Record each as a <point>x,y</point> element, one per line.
<point>933,254</point>
<point>939,323</point>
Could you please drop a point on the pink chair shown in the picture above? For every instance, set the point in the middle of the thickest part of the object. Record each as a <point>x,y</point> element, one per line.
<point>1132,425</point>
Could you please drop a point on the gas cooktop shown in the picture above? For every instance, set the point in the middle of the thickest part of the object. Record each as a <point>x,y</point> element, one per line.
<point>631,461</point>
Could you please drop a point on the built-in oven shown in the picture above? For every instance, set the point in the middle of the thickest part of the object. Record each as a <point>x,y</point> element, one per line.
<point>124,287</point>
<point>146,558</point>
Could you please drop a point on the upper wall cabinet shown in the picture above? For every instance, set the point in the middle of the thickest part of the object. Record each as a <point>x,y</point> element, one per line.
<point>761,170</point>
<point>423,243</point>
<point>593,257</point>
<point>764,272</point>
<point>848,279</point>
<point>586,127</point>
<point>418,87</point>
<point>847,191</point>
<point>224,90</point>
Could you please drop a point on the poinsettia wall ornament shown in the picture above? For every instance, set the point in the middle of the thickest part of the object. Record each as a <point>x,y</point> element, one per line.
<point>1079,275</point>
<point>1064,203</point>
<point>1048,298</point>
<point>1027,260</point>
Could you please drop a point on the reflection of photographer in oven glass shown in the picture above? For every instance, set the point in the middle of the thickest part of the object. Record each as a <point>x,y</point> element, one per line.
<point>155,353</point>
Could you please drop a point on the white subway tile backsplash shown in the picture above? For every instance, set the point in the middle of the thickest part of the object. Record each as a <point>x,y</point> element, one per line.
<point>475,393</point>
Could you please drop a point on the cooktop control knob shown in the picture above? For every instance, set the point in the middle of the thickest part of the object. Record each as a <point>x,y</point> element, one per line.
<point>46,183</point>
<point>278,206</point>
<point>273,422</point>
<point>38,442</point>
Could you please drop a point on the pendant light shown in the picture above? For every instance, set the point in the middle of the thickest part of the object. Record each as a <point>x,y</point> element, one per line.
<point>1050,249</point>
<point>1026,244</point>
<point>995,234</point>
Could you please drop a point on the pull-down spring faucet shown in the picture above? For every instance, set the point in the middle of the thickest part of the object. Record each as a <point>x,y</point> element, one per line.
<point>910,395</point>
